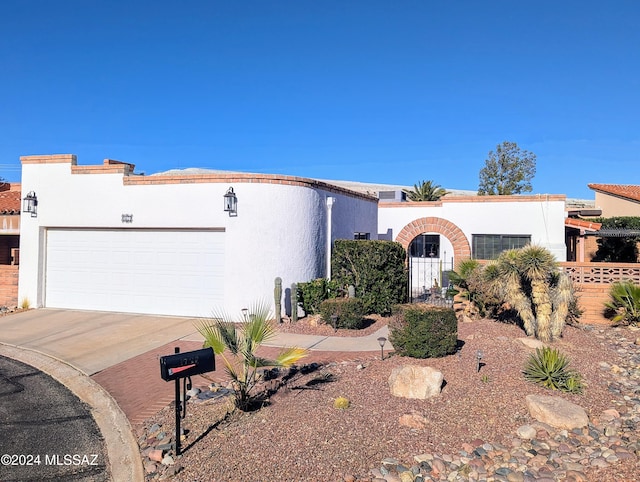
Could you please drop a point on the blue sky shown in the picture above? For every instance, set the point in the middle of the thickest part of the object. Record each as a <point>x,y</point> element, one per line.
<point>370,91</point>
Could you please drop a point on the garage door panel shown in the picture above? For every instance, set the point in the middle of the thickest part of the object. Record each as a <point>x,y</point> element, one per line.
<point>140,271</point>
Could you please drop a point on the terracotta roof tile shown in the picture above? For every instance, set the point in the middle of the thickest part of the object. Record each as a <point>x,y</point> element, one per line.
<point>626,191</point>
<point>10,202</point>
<point>581,223</point>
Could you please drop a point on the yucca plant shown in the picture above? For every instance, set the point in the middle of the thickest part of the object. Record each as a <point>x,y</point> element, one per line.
<point>537,265</point>
<point>625,303</point>
<point>237,342</point>
<point>549,368</point>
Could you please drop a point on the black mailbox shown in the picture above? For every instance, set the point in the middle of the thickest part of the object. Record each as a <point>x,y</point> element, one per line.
<point>182,365</point>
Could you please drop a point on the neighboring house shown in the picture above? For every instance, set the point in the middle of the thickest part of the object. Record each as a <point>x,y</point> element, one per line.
<point>9,222</point>
<point>617,199</point>
<point>9,243</point>
<point>104,238</point>
<point>611,200</point>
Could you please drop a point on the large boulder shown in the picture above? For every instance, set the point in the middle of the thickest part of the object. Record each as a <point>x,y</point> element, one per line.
<point>411,381</point>
<point>557,412</point>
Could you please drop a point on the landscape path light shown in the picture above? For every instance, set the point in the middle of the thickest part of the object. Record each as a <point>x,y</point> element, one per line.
<point>382,340</point>
<point>479,356</point>
<point>334,322</point>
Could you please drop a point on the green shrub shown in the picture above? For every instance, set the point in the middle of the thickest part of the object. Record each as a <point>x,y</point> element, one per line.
<point>624,305</point>
<point>376,269</point>
<point>314,292</point>
<point>349,311</point>
<point>423,332</point>
<point>549,368</point>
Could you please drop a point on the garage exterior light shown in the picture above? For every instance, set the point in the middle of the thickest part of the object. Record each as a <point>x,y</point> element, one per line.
<point>231,202</point>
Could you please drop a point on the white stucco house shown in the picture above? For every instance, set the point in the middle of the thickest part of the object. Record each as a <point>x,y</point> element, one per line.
<point>101,237</point>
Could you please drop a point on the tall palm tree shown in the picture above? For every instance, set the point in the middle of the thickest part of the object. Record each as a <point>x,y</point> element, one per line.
<point>425,191</point>
<point>237,344</point>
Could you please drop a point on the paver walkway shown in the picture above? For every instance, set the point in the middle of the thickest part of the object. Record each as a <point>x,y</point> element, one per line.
<point>136,385</point>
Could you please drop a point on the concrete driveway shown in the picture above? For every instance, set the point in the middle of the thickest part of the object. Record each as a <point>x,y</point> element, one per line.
<point>92,340</point>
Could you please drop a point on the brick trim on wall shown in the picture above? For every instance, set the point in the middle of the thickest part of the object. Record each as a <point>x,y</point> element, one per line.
<point>111,166</point>
<point>461,247</point>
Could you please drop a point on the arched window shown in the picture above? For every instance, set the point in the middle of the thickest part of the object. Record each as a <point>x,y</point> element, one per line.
<point>425,246</point>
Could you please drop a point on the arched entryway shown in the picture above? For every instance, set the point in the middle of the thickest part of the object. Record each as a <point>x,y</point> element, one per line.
<point>425,258</point>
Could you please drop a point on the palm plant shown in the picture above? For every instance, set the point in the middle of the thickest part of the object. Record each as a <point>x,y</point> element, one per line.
<point>625,303</point>
<point>425,191</point>
<point>237,344</point>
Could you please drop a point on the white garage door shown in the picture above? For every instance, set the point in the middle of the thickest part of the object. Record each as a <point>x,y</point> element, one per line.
<point>171,272</point>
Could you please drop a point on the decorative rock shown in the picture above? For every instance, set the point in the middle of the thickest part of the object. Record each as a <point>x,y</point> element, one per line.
<point>531,343</point>
<point>413,420</point>
<point>150,467</point>
<point>193,392</point>
<point>411,381</point>
<point>557,412</point>
<point>156,455</point>
<point>167,460</point>
<point>526,432</point>
<point>609,415</point>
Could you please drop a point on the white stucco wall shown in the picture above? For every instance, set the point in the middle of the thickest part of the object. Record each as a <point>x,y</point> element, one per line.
<point>280,228</point>
<point>541,217</point>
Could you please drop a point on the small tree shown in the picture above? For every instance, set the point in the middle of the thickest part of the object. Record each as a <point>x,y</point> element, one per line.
<point>425,191</point>
<point>508,170</point>
<point>237,342</point>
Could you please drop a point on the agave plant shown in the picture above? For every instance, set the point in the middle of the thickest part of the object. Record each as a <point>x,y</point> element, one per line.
<point>549,368</point>
<point>237,343</point>
<point>625,303</point>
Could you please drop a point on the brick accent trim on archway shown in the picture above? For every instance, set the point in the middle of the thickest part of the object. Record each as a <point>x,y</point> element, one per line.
<point>461,247</point>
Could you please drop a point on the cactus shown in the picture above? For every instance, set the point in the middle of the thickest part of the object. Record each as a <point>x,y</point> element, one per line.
<point>352,291</point>
<point>294,302</point>
<point>341,403</point>
<point>277,296</point>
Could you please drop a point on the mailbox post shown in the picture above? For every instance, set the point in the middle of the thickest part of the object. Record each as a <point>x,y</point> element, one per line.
<point>181,366</point>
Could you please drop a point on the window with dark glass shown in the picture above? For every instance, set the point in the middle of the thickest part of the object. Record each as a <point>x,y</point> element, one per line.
<point>361,235</point>
<point>489,246</point>
<point>425,246</point>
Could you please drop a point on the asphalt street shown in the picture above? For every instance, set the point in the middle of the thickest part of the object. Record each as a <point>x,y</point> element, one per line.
<point>46,432</point>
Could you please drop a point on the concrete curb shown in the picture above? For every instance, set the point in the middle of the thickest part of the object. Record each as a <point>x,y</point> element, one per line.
<point>122,448</point>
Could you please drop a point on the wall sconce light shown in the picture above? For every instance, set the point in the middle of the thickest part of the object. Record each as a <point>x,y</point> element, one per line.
<point>30,204</point>
<point>245,312</point>
<point>382,340</point>
<point>479,356</point>
<point>231,202</point>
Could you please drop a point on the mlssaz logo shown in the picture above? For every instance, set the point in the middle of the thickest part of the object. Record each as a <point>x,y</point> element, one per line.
<point>71,459</point>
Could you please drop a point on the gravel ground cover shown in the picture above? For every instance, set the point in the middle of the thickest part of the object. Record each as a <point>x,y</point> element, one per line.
<point>299,435</point>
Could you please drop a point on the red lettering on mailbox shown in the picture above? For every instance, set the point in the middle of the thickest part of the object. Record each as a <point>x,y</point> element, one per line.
<point>175,370</point>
